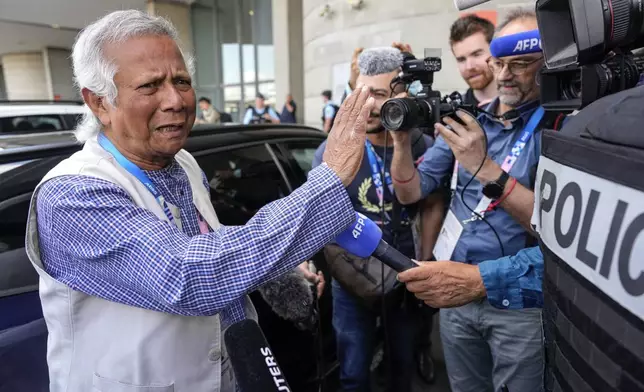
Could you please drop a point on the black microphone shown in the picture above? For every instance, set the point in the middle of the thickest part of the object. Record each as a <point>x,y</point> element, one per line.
<point>253,362</point>
<point>290,296</point>
<point>364,239</point>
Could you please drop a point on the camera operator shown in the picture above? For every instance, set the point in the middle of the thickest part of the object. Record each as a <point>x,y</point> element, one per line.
<point>485,347</point>
<point>357,303</point>
<point>470,38</point>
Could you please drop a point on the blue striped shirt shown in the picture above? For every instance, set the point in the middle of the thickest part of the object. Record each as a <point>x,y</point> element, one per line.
<point>94,239</point>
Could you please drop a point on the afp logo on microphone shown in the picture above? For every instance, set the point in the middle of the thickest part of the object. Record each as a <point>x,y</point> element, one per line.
<point>528,44</point>
<point>358,226</point>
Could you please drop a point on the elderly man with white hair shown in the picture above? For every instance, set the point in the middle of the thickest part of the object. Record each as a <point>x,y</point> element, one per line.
<point>138,278</point>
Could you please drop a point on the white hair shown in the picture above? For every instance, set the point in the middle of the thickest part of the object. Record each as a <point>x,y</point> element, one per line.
<point>378,61</point>
<point>95,72</point>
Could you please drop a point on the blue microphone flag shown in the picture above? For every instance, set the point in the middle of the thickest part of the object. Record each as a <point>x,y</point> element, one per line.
<point>361,238</point>
<point>516,44</point>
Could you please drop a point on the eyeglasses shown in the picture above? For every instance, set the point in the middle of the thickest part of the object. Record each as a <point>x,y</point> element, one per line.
<point>516,68</point>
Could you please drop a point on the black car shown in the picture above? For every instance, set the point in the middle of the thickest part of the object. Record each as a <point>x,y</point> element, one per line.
<point>275,160</point>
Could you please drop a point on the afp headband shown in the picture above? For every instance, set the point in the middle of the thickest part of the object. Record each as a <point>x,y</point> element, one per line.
<point>516,44</point>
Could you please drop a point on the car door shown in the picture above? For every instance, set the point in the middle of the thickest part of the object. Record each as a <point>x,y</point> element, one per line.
<point>299,155</point>
<point>242,180</point>
<point>23,332</point>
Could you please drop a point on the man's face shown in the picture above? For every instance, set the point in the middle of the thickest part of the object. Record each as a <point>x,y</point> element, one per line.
<point>471,57</point>
<point>380,90</point>
<point>289,98</point>
<point>155,107</point>
<point>515,90</point>
<point>203,105</point>
<point>259,103</point>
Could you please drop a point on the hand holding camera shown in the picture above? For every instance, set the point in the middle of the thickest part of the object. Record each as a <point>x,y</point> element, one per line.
<point>467,141</point>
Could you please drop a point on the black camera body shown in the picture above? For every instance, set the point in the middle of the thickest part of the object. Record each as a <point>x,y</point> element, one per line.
<point>591,44</point>
<point>427,107</point>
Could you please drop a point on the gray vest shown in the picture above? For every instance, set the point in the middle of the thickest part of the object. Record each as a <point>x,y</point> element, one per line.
<point>104,346</point>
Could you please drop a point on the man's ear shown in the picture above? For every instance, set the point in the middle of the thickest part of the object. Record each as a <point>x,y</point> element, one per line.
<point>97,105</point>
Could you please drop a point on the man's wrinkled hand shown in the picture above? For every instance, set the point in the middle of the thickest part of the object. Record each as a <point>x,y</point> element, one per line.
<point>444,284</point>
<point>467,142</point>
<point>316,279</point>
<point>345,145</point>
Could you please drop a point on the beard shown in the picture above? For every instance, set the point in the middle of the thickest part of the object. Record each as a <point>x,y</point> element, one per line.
<point>479,79</point>
<point>516,94</point>
<point>374,125</point>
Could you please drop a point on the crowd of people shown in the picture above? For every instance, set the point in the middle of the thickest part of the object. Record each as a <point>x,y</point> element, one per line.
<point>151,250</point>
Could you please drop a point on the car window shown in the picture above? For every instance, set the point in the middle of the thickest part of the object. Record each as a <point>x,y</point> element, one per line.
<point>241,182</point>
<point>39,123</point>
<point>303,153</point>
<point>71,120</point>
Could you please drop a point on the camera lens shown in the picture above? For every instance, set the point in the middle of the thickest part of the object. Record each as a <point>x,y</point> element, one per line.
<point>571,87</point>
<point>405,113</point>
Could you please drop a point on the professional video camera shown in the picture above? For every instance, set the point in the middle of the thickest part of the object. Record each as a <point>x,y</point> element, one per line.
<point>427,107</point>
<point>591,44</point>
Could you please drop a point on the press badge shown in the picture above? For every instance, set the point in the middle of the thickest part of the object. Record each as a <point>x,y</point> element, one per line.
<point>448,237</point>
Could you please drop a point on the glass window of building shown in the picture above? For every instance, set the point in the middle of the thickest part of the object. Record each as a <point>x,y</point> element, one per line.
<point>233,41</point>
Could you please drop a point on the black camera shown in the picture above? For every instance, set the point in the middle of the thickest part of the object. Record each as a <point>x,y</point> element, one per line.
<point>427,107</point>
<point>589,43</point>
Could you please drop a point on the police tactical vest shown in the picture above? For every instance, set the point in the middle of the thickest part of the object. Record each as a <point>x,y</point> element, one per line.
<point>257,117</point>
<point>589,211</point>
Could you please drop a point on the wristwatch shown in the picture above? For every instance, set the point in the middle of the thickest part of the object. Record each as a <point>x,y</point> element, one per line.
<point>494,189</point>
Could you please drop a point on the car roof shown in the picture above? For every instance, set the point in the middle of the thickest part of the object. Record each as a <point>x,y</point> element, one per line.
<point>34,108</point>
<point>21,168</point>
<point>202,137</point>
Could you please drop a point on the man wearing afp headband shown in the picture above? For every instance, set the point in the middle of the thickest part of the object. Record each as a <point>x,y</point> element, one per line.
<point>490,322</point>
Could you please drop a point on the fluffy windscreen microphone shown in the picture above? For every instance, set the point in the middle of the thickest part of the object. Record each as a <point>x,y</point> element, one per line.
<point>291,297</point>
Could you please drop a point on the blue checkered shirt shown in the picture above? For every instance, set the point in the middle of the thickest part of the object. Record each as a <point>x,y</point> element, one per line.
<point>94,239</point>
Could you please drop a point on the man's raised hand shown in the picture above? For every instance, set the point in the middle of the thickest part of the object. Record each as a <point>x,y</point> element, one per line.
<point>345,145</point>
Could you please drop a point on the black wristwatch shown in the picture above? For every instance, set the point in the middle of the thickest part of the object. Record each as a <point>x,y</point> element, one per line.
<point>494,189</point>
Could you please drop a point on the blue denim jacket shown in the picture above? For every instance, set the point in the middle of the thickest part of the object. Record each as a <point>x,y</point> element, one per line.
<point>514,282</point>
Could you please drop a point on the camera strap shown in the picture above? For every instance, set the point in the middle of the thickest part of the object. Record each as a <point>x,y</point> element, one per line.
<point>483,207</point>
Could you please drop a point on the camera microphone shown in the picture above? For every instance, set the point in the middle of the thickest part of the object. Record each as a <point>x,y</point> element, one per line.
<point>364,239</point>
<point>253,362</point>
<point>465,4</point>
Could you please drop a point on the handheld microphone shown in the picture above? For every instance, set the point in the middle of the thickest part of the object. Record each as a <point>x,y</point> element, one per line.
<point>364,239</point>
<point>516,44</point>
<point>253,362</point>
<point>465,4</point>
<point>291,297</point>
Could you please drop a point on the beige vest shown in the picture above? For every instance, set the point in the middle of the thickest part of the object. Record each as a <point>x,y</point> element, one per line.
<point>102,346</point>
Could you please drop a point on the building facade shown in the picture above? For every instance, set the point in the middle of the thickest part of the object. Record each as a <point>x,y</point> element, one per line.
<point>241,47</point>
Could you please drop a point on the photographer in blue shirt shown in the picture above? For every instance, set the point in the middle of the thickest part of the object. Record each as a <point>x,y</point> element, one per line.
<point>491,307</point>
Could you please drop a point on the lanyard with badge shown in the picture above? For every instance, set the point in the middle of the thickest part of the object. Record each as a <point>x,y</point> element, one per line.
<point>376,164</point>
<point>173,218</point>
<point>452,228</point>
